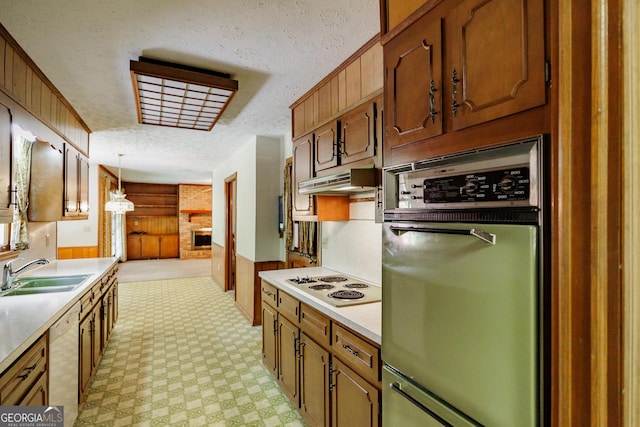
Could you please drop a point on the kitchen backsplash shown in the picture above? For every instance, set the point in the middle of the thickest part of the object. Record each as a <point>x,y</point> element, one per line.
<point>354,247</point>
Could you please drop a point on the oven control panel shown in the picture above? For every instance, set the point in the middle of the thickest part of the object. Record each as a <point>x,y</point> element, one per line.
<point>495,178</point>
<point>510,184</point>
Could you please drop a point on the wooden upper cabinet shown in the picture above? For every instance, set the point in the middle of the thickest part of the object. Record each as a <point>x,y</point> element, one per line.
<point>297,119</point>
<point>302,154</point>
<point>46,186</point>
<point>358,137</point>
<point>326,146</point>
<point>371,70</point>
<point>71,183</point>
<point>499,68</point>
<point>360,77</point>
<point>413,83</point>
<point>396,11</point>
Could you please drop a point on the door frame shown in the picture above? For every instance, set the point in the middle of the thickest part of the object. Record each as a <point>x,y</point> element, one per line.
<point>230,200</point>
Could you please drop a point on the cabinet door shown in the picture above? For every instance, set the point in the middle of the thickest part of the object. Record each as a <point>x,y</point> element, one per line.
<point>86,356</point>
<point>498,59</point>
<point>169,246</point>
<point>71,197</point>
<point>134,247</point>
<point>149,246</point>
<point>326,146</point>
<point>269,334</point>
<point>288,368</point>
<point>96,336</point>
<point>83,190</point>
<point>355,401</point>
<point>314,382</point>
<point>5,157</point>
<point>302,170</point>
<point>46,186</point>
<point>358,134</point>
<point>38,395</point>
<point>413,83</point>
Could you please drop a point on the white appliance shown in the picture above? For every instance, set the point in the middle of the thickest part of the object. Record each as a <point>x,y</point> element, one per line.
<point>63,364</point>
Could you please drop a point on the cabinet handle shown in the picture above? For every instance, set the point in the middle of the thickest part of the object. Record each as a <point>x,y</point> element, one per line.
<point>296,348</point>
<point>268,293</point>
<point>432,101</point>
<point>332,382</point>
<point>455,80</point>
<point>26,374</point>
<point>350,350</point>
<point>275,326</point>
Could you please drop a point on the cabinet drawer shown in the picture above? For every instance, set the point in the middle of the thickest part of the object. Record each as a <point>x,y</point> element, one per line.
<point>359,354</point>
<point>21,377</point>
<point>269,293</point>
<point>289,307</point>
<point>86,303</point>
<point>316,325</point>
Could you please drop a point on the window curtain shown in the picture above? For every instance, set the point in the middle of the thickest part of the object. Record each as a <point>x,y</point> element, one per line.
<point>105,245</point>
<point>287,204</point>
<point>22,146</point>
<point>118,222</point>
<point>307,231</point>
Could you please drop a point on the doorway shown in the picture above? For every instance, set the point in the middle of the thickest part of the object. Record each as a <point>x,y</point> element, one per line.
<point>230,190</point>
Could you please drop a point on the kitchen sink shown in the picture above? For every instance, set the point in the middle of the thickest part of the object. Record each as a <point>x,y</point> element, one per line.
<point>48,284</point>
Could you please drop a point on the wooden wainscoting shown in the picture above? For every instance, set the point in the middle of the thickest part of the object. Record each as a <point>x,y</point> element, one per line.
<point>217,264</point>
<point>248,299</point>
<point>73,252</point>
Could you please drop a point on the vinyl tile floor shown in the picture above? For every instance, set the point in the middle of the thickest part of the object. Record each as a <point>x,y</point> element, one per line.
<point>181,354</point>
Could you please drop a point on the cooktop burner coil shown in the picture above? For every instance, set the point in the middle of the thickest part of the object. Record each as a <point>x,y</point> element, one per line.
<point>321,287</point>
<point>356,285</point>
<point>344,294</point>
<point>332,279</point>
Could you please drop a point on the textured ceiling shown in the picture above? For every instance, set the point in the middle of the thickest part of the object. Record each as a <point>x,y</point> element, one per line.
<point>276,49</point>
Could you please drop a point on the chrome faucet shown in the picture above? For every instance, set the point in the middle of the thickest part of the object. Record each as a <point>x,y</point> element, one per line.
<point>9,275</point>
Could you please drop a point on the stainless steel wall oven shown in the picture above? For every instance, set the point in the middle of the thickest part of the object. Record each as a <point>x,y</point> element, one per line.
<point>464,301</point>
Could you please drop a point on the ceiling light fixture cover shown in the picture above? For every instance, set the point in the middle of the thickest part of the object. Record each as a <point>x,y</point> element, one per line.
<point>179,96</point>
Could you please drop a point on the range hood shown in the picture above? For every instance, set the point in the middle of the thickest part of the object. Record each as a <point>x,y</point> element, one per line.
<point>344,182</point>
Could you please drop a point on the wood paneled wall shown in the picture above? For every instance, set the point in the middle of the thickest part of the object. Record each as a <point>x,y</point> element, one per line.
<point>217,264</point>
<point>25,84</point>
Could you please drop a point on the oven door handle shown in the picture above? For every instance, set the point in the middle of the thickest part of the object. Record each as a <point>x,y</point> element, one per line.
<point>482,235</point>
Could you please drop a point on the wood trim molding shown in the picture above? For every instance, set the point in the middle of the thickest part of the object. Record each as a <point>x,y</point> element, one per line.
<point>587,300</point>
<point>631,226</point>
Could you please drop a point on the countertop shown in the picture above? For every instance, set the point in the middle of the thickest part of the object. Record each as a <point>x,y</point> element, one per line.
<point>365,319</point>
<point>24,318</point>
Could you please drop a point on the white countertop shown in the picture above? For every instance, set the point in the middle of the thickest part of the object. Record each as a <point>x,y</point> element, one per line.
<point>24,318</point>
<point>365,319</point>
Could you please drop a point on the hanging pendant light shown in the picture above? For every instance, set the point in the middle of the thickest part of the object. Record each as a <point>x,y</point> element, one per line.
<point>118,204</point>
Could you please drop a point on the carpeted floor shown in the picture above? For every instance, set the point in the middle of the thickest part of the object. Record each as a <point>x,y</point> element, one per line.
<point>181,354</point>
<point>159,269</point>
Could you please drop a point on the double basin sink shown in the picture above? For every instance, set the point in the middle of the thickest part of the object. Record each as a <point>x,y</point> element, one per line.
<point>45,284</point>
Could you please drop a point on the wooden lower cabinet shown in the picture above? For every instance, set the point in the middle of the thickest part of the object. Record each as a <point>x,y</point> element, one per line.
<point>288,368</point>
<point>25,382</point>
<point>298,348</point>
<point>98,314</point>
<point>148,246</point>
<point>269,337</point>
<point>315,371</point>
<point>86,362</point>
<point>354,401</point>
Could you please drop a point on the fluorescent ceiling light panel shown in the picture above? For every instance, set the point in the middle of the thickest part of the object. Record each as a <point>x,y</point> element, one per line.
<point>179,96</point>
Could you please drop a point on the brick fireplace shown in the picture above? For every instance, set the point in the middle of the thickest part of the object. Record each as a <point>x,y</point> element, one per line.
<point>194,219</point>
